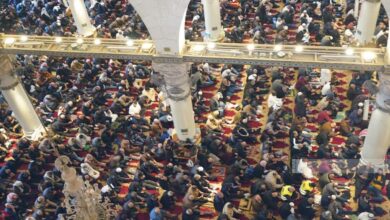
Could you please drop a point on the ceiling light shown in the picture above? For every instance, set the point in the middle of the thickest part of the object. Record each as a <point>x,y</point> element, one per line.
<point>198,47</point>
<point>278,47</point>
<point>368,56</point>
<point>146,46</point>
<point>130,43</point>
<point>298,48</point>
<point>250,47</point>
<point>79,40</point>
<point>349,51</point>
<point>97,41</point>
<point>58,40</point>
<point>211,45</point>
<point>23,38</point>
<point>9,40</point>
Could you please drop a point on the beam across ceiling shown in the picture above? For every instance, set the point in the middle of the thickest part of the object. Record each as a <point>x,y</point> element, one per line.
<point>231,53</point>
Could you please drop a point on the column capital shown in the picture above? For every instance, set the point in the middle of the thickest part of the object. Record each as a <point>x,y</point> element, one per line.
<point>373,1</point>
<point>379,165</point>
<point>175,81</point>
<point>383,95</point>
<point>8,79</point>
<point>6,63</point>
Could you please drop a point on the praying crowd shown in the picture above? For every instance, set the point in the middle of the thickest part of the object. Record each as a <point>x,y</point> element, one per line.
<point>274,143</point>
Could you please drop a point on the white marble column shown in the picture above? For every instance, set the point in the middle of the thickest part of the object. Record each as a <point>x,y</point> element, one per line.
<point>356,8</point>
<point>18,101</point>
<point>378,137</point>
<point>177,88</point>
<point>165,23</point>
<point>213,23</point>
<point>369,12</point>
<point>81,18</point>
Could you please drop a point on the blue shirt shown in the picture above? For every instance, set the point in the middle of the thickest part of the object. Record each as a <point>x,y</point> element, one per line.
<point>154,215</point>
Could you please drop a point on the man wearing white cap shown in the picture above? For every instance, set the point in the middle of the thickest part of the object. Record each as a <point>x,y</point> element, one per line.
<point>366,216</point>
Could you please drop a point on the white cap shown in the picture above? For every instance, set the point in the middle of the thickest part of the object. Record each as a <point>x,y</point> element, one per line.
<point>118,170</point>
<point>105,189</point>
<point>333,197</point>
<point>291,204</point>
<point>190,163</point>
<point>252,77</point>
<point>169,118</point>
<point>196,17</point>
<point>200,169</point>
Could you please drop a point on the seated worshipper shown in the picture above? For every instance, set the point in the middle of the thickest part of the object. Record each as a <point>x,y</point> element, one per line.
<point>99,149</point>
<point>94,163</point>
<point>353,91</point>
<point>333,189</point>
<point>300,147</point>
<point>216,103</point>
<point>200,105</point>
<point>191,214</point>
<point>86,169</point>
<point>301,103</point>
<point>288,193</point>
<point>213,123</point>
<point>337,210</point>
<point>117,177</point>
<point>52,194</point>
<point>306,188</point>
<point>201,183</point>
<point>270,199</point>
<point>107,192</point>
<point>150,93</point>
<point>125,101</point>
<point>129,211</point>
<point>194,198</point>
<point>356,117</point>
<point>219,202</point>
<point>167,200</point>
<point>251,110</point>
<point>304,169</point>
<point>12,205</point>
<point>206,80</point>
<point>229,210</point>
<point>244,132</point>
<point>273,180</point>
<point>231,187</point>
<point>325,132</point>
<point>101,117</point>
<point>376,185</point>
<point>324,116</point>
<point>47,207</point>
<point>12,125</point>
<point>180,183</point>
<point>274,103</point>
<point>306,208</point>
<point>166,121</point>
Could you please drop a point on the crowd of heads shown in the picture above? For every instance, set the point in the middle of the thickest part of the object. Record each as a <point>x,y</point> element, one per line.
<point>106,115</point>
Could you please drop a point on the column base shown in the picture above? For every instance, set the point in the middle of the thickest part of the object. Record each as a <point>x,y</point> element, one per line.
<point>196,139</point>
<point>376,164</point>
<point>36,134</point>
<point>220,38</point>
<point>89,33</point>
